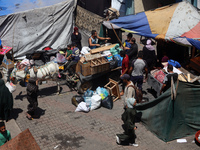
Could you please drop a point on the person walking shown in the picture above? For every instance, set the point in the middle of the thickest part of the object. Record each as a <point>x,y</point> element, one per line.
<point>32,94</point>
<point>137,67</point>
<point>128,117</point>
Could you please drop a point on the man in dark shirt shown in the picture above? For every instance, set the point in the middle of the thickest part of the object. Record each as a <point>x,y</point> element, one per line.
<point>167,79</point>
<point>133,51</point>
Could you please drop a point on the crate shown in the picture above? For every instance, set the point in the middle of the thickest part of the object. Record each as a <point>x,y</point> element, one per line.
<point>95,66</point>
<point>99,65</point>
<point>105,64</point>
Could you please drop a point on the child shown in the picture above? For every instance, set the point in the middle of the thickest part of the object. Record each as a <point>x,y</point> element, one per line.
<point>32,90</point>
<point>4,134</point>
<point>68,53</point>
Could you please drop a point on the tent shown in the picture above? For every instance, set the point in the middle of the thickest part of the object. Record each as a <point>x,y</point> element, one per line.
<point>30,25</point>
<point>172,119</point>
<point>179,22</point>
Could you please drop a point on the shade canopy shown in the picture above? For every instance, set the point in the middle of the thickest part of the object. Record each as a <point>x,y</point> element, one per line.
<point>172,22</point>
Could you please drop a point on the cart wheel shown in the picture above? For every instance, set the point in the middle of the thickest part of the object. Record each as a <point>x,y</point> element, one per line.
<point>82,87</point>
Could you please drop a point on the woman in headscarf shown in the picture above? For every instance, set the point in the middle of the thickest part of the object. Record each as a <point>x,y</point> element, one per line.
<point>6,101</point>
<point>32,90</point>
<point>76,38</point>
<point>149,54</point>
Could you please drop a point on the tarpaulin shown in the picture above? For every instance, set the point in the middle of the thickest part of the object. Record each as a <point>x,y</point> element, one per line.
<point>35,29</point>
<point>12,6</point>
<point>172,119</point>
<point>168,22</point>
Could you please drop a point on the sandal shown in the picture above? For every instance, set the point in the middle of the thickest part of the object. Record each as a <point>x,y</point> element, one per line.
<point>29,117</point>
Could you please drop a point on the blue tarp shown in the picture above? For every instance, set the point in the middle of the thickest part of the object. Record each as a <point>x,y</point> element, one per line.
<point>195,43</point>
<point>13,6</point>
<point>137,23</point>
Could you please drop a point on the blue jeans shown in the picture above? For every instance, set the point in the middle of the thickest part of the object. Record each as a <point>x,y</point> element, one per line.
<point>138,80</point>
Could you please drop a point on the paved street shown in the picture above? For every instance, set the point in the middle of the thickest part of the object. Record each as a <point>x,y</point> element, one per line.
<point>60,128</point>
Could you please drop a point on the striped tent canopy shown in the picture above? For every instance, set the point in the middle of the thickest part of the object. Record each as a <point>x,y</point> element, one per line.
<point>179,23</point>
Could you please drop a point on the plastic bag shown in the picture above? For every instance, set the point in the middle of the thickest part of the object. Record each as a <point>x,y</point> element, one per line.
<point>107,102</point>
<point>119,59</point>
<point>77,99</point>
<point>60,58</point>
<point>88,101</point>
<point>82,107</point>
<point>11,87</point>
<point>95,101</point>
<point>115,50</point>
<point>102,92</point>
<point>88,93</point>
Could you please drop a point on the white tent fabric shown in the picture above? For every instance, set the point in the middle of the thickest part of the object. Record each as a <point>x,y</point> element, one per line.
<point>35,29</point>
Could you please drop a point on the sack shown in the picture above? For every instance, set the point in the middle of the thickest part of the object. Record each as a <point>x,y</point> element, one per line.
<point>82,107</point>
<point>88,101</point>
<point>77,99</point>
<point>11,87</point>
<point>95,101</point>
<point>107,102</point>
<point>174,63</point>
<point>138,94</point>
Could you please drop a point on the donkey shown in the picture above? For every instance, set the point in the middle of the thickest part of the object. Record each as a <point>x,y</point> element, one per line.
<point>48,71</point>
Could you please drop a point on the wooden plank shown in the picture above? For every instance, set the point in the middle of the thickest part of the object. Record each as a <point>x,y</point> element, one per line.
<point>100,49</point>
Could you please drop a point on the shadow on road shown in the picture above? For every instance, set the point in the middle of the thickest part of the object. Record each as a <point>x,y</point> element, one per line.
<point>38,113</point>
<point>15,113</point>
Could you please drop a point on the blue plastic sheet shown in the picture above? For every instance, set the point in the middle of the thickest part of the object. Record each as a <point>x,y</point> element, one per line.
<point>13,6</point>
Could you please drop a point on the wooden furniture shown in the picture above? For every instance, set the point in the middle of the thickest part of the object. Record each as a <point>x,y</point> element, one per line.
<point>100,49</point>
<point>113,87</point>
<point>195,63</point>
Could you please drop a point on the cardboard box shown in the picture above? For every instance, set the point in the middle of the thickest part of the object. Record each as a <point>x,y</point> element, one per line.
<point>85,68</point>
<point>9,64</point>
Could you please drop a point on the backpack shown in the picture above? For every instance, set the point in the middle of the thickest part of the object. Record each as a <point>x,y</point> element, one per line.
<point>138,94</point>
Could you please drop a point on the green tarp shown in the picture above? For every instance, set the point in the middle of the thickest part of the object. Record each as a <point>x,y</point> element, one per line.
<point>172,119</point>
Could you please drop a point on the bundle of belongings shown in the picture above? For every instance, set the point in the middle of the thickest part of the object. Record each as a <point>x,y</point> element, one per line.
<point>92,100</point>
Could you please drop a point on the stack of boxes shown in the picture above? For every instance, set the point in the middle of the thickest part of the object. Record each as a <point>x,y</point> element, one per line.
<point>94,64</point>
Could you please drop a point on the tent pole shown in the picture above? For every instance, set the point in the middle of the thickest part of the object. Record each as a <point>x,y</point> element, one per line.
<point>117,36</point>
